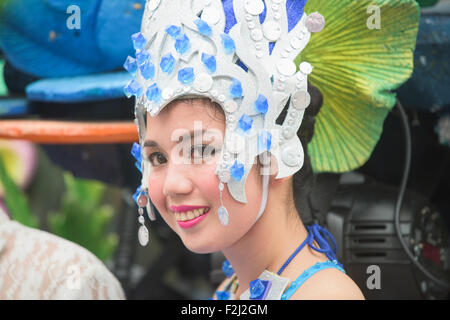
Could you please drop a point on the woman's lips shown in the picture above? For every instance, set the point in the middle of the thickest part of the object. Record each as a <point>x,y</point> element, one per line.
<point>192,221</point>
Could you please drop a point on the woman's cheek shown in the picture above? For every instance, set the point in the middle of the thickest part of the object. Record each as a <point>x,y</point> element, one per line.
<point>155,191</point>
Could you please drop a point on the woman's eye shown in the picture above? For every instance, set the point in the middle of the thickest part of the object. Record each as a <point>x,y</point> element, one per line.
<point>158,157</point>
<point>202,151</point>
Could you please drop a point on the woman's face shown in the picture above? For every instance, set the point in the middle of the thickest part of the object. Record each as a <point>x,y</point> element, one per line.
<point>182,173</point>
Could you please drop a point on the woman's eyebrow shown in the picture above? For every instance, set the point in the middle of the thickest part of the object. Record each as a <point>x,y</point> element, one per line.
<point>193,134</point>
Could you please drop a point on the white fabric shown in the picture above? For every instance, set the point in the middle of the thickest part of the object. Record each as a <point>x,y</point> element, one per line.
<point>36,265</point>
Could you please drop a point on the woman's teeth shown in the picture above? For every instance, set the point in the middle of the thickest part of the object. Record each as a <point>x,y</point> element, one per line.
<point>189,215</point>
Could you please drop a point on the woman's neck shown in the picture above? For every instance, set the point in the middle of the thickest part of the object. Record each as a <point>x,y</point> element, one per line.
<point>267,245</point>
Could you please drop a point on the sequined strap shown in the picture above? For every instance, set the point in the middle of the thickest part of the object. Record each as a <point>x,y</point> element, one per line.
<point>307,274</point>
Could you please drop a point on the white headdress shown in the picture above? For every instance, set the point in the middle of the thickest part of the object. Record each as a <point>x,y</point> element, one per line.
<point>239,54</point>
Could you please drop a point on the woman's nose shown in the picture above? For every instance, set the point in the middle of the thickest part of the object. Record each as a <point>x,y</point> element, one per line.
<point>177,180</point>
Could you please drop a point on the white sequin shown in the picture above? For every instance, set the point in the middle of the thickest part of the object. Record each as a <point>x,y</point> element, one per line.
<point>256,34</point>
<point>306,68</point>
<point>286,67</point>
<point>301,100</point>
<point>203,82</point>
<point>272,30</point>
<point>254,7</point>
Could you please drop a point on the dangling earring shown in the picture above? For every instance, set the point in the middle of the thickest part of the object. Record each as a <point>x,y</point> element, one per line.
<point>142,202</point>
<point>224,177</point>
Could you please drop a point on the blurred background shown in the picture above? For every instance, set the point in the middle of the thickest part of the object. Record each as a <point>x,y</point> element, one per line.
<point>62,173</point>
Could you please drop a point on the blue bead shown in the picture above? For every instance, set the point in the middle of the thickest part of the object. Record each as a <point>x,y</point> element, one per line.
<point>259,289</point>
<point>138,165</point>
<point>237,170</point>
<point>138,41</point>
<point>222,295</point>
<point>210,62</point>
<point>148,70</point>
<point>186,75</point>
<point>227,268</point>
<point>167,63</point>
<point>130,65</point>
<point>265,140</point>
<point>261,104</point>
<point>173,31</point>
<point>154,93</point>
<point>245,122</point>
<point>136,151</point>
<point>142,57</point>
<point>228,44</point>
<point>236,89</point>
<point>256,288</point>
<point>182,44</point>
<point>203,27</point>
<point>133,89</point>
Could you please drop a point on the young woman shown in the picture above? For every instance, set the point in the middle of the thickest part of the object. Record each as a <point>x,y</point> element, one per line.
<point>219,100</point>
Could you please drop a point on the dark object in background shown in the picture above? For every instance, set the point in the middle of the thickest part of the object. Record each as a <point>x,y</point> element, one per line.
<point>361,218</point>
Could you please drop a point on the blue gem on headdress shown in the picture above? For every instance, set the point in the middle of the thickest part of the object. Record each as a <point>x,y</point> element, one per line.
<point>182,44</point>
<point>265,140</point>
<point>222,295</point>
<point>167,63</point>
<point>210,62</point>
<point>261,104</point>
<point>137,193</point>
<point>259,289</point>
<point>228,44</point>
<point>136,151</point>
<point>173,31</point>
<point>142,57</point>
<point>138,41</point>
<point>203,27</point>
<point>236,89</point>
<point>154,93</point>
<point>227,268</point>
<point>133,88</point>
<point>245,123</point>
<point>237,170</point>
<point>147,70</point>
<point>130,65</point>
<point>186,75</point>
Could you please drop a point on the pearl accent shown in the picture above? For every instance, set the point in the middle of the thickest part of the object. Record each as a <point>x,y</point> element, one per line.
<point>291,157</point>
<point>315,22</point>
<point>230,106</point>
<point>301,100</point>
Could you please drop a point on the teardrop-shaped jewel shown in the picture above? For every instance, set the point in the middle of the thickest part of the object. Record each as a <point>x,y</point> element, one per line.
<point>223,215</point>
<point>143,235</point>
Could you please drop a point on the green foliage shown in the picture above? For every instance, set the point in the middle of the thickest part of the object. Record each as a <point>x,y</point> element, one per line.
<point>83,218</point>
<point>15,200</point>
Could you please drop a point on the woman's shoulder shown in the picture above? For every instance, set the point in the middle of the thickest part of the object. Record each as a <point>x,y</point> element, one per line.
<point>328,284</point>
